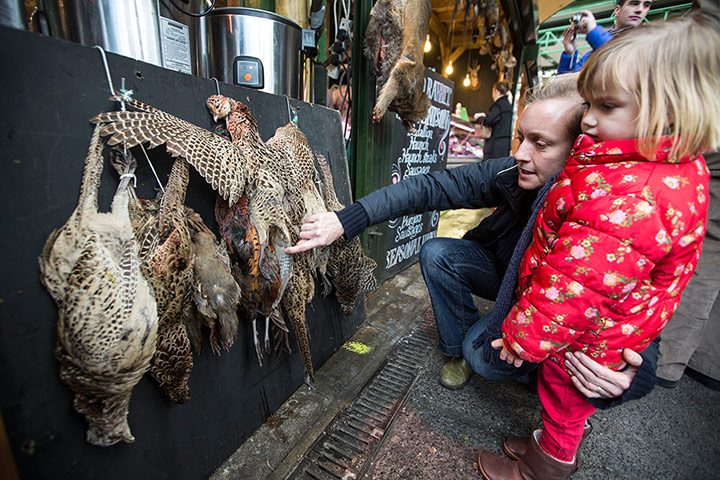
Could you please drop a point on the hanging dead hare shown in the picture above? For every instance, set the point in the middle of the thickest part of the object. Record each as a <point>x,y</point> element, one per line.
<point>394,42</point>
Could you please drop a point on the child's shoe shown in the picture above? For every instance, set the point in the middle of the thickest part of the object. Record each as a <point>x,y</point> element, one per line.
<point>515,447</point>
<point>535,464</point>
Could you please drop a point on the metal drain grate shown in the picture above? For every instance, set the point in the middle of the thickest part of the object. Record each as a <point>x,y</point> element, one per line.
<point>353,437</point>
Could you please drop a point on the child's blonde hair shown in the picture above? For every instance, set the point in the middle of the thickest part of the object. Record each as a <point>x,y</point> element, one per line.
<point>673,70</point>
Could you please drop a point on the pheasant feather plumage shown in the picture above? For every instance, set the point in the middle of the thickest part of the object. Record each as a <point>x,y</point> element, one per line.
<point>279,187</point>
<point>167,259</point>
<point>107,323</point>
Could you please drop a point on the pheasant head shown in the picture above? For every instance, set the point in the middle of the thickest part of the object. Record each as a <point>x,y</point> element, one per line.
<point>219,106</point>
<point>240,123</point>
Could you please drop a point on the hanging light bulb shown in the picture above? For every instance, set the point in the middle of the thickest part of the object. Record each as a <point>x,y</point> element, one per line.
<point>449,68</point>
<point>466,82</point>
<point>428,45</point>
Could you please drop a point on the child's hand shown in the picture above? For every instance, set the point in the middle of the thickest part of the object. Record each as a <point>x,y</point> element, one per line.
<point>506,354</point>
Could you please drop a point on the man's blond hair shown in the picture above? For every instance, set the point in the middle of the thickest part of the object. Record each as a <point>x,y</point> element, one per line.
<point>672,69</point>
<point>561,87</point>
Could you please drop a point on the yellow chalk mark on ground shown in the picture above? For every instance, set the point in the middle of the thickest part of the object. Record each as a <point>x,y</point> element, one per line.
<point>357,347</point>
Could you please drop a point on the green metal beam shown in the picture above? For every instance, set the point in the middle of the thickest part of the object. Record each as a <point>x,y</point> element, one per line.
<point>360,143</point>
<point>575,6</point>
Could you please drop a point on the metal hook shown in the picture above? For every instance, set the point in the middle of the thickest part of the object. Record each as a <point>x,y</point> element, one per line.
<point>217,84</point>
<point>123,94</point>
<point>292,116</point>
<point>121,98</point>
<point>107,69</point>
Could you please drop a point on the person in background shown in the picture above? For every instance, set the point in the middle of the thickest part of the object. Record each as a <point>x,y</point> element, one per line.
<point>621,230</point>
<point>628,14</point>
<point>338,98</point>
<point>480,264</point>
<point>690,341</point>
<point>499,118</point>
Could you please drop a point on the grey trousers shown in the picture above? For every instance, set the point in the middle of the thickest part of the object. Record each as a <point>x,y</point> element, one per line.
<point>692,337</point>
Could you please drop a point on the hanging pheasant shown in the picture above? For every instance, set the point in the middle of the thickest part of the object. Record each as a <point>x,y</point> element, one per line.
<point>348,268</point>
<point>107,321</point>
<point>256,268</point>
<point>215,292</point>
<point>287,161</point>
<point>167,258</point>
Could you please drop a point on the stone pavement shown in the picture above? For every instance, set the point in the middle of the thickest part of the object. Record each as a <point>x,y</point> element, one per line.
<point>670,434</point>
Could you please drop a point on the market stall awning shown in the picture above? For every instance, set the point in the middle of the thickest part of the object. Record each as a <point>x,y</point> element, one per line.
<point>546,8</point>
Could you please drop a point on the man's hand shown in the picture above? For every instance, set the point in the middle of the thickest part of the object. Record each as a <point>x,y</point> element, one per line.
<point>568,40</point>
<point>318,230</point>
<point>587,23</point>
<point>506,354</point>
<point>595,381</point>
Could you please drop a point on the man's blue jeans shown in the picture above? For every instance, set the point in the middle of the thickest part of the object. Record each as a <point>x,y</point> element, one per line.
<point>454,271</point>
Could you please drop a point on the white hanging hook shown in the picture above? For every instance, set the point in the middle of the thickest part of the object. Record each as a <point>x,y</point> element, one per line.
<point>217,84</point>
<point>130,175</point>
<point>292,116</point>
<point>217,87</point>
<point>123,95</point>
<point>107,69</point>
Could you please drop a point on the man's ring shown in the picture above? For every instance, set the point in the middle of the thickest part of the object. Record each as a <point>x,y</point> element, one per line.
<point>598,389</point>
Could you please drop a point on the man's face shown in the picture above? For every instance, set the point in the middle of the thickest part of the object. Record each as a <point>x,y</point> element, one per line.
<point>631,13</point>
<point>545,142</point>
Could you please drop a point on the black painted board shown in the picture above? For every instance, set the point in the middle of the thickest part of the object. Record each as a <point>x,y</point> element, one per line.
<point>415,153</point>
<point>49,90</point>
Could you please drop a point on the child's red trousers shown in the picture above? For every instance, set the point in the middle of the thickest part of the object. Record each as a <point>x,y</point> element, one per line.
<point>565,410</point>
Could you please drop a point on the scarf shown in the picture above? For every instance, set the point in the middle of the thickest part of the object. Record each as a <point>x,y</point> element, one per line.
<point>506,295</point>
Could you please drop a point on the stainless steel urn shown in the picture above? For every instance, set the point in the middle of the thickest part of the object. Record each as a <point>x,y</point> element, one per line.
<point>127,27</point>
<point>255,48</point>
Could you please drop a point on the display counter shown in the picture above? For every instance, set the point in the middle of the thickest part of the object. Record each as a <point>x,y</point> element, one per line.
<point>465,144</point>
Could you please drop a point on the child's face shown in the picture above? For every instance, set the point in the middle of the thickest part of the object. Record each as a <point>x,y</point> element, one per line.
<point>611,115</point>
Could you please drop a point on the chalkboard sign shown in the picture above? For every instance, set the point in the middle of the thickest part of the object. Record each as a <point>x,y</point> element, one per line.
<point>414,154</point>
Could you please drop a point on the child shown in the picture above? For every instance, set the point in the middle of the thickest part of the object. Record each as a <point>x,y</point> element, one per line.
<point>621,231</point>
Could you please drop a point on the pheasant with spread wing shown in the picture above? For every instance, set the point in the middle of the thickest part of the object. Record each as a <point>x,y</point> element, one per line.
<point>287,164</point>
